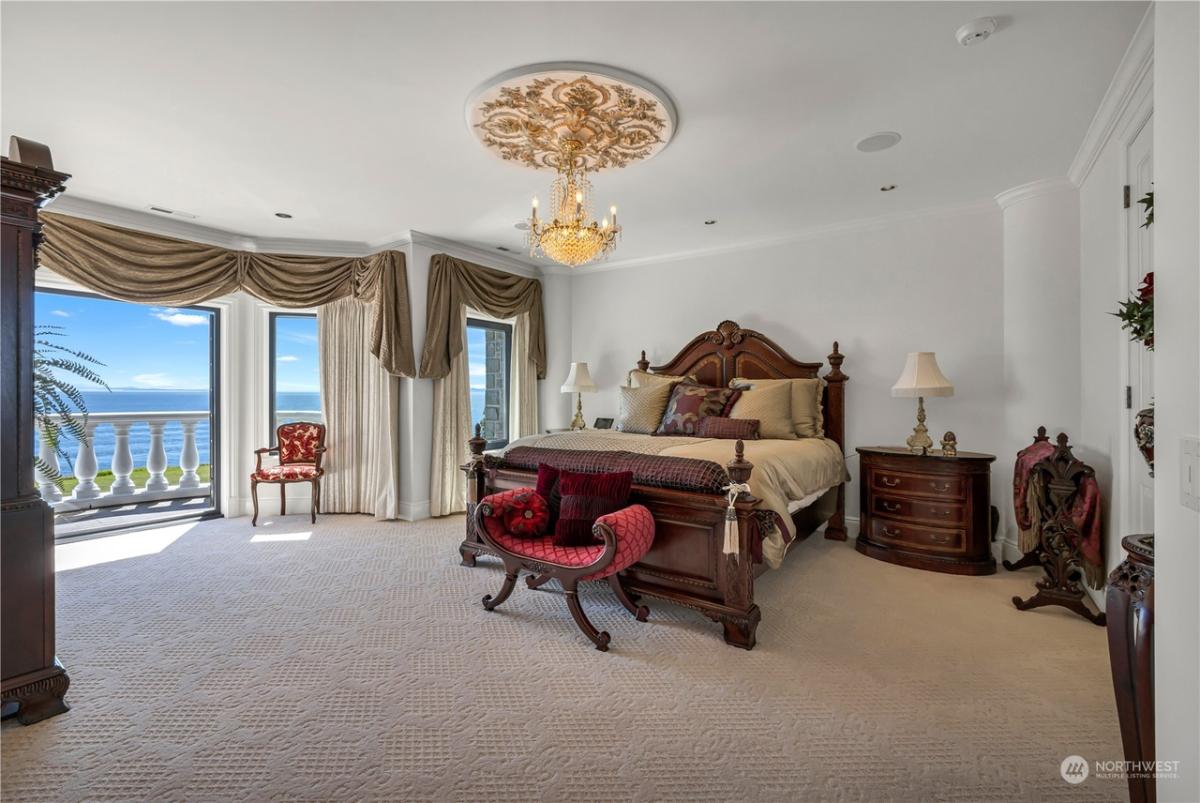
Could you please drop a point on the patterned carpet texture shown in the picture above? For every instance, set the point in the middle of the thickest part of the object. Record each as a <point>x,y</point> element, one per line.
<point>351,660</point>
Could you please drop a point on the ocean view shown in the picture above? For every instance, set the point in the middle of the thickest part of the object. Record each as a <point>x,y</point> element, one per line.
<point>161,401</point>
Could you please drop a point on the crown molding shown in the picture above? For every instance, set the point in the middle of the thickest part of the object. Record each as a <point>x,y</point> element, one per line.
<point>1130,82</point>
<point>498,260</point>
<point>812,233</point>
<point>1034,189</point>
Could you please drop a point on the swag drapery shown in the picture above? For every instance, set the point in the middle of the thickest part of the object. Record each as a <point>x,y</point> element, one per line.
<point>151,269</point>
<point>363,309</point>
<point>455,287</point>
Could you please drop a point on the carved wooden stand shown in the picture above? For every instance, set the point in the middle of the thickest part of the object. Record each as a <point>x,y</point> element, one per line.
<point>1130,607</point>
<point>1056,551</point>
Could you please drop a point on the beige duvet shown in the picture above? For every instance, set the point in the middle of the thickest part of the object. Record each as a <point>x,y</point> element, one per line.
<point>785,471</point>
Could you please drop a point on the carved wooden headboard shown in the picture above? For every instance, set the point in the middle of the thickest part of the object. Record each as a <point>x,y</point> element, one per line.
<point>730,351</point>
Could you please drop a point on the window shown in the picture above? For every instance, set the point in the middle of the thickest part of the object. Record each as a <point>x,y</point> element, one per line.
<point>295,393</point>
<point>489,355</point>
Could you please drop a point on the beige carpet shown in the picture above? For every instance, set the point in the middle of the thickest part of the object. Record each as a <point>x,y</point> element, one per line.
<point>352,661</point>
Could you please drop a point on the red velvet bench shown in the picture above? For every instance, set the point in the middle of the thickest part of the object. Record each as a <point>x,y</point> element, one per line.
<point>626,536</point>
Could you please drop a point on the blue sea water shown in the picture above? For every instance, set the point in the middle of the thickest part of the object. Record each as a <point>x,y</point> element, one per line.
<point>142,401</point>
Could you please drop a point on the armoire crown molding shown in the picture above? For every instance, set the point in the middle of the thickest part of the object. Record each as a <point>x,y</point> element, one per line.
<point>1034,189</point>
<point>1136,67</point>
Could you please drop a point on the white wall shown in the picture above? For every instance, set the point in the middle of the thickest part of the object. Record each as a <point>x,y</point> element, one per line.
<point>924,283</point>
<point>1177,391</point>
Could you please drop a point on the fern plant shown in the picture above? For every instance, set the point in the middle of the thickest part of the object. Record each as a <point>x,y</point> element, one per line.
<point>58,404</point>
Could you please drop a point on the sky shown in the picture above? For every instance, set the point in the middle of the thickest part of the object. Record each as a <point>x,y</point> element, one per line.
<point>162,348</point>
<point>476,365</point>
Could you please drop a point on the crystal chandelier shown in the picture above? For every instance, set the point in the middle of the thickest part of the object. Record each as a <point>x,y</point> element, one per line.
<point>568,238</point>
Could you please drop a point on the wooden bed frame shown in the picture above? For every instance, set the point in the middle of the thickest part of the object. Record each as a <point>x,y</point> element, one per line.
<point>686,565</point>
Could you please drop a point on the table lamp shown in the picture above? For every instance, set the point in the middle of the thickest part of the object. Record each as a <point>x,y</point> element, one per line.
<point>579,382</point>
<point>921,378</point>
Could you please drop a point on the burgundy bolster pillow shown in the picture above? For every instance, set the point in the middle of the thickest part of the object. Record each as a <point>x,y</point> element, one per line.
<point>585,498</point>
<point>728,428</point>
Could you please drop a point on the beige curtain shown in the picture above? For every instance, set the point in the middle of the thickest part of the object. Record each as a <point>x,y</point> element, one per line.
<point>454,285</point>
<point>523,401</point>
<point>360,401</point>
<point>451,428</point>
<point>149,269</point>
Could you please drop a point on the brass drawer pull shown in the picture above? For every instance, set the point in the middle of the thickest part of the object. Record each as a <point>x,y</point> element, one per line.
<point>890,507</point>
<point>939,539</point>
<point>945,513</point>
<point>889,532</point>
<point>940,487</point>
<point>889,481</point>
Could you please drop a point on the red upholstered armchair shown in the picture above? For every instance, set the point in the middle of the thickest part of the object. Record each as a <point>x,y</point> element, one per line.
<point>626,535</point>
<point>301,444</point>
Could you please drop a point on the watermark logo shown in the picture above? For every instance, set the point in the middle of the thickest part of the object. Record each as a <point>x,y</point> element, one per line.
<point>1074,769</point>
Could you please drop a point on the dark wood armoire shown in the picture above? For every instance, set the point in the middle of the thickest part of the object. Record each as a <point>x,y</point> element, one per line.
<point>32,677</point>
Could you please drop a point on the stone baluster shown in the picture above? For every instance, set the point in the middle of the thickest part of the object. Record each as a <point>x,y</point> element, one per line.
<point>122,462</point>
<point>48,456</point>
<point>85,466</point>
<point>156,460</point>
<point>189,457</point>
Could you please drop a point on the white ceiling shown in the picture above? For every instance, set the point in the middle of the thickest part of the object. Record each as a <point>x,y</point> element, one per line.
<point>350,116</point>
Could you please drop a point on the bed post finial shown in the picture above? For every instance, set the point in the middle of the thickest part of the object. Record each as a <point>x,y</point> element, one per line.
<point>643,364</point>
<point>1041,435</point>
<point>739,467</point>
<point>835,365</point>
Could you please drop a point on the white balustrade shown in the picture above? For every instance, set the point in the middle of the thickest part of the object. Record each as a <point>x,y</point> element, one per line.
<point>46,453</point>
<point>87,493</point>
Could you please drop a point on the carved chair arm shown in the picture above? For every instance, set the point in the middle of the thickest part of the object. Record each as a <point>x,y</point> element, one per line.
<point>258,453</point>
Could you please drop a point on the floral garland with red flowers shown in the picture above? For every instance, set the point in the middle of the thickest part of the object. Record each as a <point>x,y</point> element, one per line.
<point>1137,314</point>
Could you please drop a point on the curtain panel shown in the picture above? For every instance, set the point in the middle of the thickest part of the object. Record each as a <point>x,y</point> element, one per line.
<point>360,401</point>
<point>151,269</point>
<point>455,285</point>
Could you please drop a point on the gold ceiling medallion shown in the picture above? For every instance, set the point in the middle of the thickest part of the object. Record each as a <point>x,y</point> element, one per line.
<point>573,119</point>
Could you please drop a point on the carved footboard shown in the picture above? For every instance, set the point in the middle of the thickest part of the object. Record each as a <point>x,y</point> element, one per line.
<point>686,565</point>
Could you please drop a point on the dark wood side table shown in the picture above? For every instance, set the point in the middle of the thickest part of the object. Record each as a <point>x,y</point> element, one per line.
<point>1130,614</point>
<point>926,511</point>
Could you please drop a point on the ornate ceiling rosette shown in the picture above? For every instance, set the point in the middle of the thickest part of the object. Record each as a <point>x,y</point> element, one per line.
<point>565,115</point>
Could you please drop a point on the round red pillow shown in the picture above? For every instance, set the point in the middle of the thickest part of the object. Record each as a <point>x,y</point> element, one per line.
<point>527,515</point>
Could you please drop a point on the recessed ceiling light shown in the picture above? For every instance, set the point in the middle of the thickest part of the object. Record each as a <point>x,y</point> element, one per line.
<point>522,225</point>
<point>879,141</point>
<point>503,248</point>
<point>162,210</point>
<point>283,215</point>
<point>887,188</point>
<point>710,222</point>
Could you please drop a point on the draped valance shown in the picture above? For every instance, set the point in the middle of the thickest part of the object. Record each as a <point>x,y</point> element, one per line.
<point>151,269</point>
<point>454,284</point>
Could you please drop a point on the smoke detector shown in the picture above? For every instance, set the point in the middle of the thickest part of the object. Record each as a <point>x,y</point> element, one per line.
<point>975,31</point>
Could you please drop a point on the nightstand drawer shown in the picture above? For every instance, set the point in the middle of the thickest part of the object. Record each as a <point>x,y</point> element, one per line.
<point>949,514</point>
<point>884,531</point>
<point>898,482</point>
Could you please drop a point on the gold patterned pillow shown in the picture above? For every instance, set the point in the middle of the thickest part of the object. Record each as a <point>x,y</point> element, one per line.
<point>641,408</point>
<point>807,414</point>
<point>772,406</point>
<point>641,379</point>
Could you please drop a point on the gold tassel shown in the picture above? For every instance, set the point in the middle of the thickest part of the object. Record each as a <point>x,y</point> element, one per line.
<point>732,544</point>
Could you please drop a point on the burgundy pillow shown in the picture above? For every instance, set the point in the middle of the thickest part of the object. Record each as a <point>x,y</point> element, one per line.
<point>547,488</point>
<point>585,498</point>
<point>527,515</point>
<point>691,403</point>
<point>728,428</point>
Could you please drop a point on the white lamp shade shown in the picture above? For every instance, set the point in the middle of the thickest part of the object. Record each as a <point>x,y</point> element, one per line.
<point>579,380</point>
<point>922,377</point>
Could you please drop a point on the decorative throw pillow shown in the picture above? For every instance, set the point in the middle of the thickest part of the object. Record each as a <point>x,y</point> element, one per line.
<point>807,414</point>
<point>772,406</point>
<point>690,404</point>
<point>585,498</point>
<point>527,515</point>
<point>547,488</point>
<point>642,408</point>
<point>638,378</point>
<point>727,428</point>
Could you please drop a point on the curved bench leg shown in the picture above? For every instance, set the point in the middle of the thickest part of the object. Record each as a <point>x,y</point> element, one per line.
<point>599,638</point>
<point>510,580</point>
<point>639,611</point>
<point>537,581</point>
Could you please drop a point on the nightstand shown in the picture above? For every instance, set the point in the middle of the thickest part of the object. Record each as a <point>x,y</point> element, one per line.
<point>926,511</point>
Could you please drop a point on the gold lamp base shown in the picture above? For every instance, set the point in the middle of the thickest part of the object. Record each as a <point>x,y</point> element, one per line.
<point>578,422</point>
<point>919,442</point>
